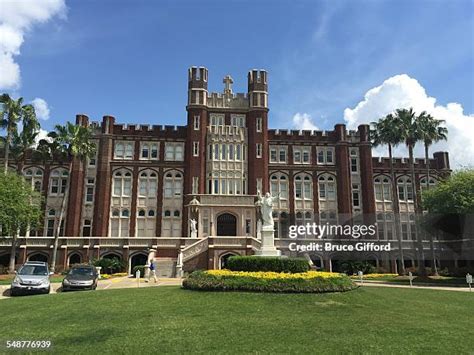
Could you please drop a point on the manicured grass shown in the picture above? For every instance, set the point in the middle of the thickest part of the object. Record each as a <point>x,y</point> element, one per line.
<point>431,280</point>
<point>170,319</point>
<point>7,280</point>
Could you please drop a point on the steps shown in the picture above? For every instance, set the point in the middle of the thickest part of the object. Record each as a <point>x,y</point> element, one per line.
<point>165,267</point>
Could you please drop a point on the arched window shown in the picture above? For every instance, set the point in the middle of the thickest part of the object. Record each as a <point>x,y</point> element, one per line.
<point>120,223</point>
<point>173,185</point>
<point>147,184</point>
<point>405,189</point>
<point>171,227</point>
<point>279,185</point>
<point>425,185</point>
<point>327,187</point>
<point>122,183</point>
<point>383,189</point>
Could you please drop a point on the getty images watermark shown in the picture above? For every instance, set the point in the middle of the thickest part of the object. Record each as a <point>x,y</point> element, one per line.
<point>338,235</point>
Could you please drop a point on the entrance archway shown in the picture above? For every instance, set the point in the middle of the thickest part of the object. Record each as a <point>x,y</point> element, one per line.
<point>226,225</point>
<point>136,260</point>
<point>38,257</point>
<point>74,258</point>
<point>223,260</point>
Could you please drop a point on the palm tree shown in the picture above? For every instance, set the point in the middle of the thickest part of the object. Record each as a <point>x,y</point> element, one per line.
<point>25,140</point>
<point>11,114</point>
<point>387,132</point>
<point>75,141</point>
<point>431,131</point>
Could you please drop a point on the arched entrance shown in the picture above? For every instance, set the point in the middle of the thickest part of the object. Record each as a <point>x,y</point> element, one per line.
<point>74,258</point>
<point>38,257</point>
<point>136,260</point>
<point>223,260</point>
<point>226,225</point>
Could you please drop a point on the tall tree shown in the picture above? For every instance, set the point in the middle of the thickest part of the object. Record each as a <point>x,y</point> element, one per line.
<point>25,140</point>
<point>11,113</point>
<point>387,132</point>
<point>431,131</point>
<point>76,142</point>
<point>20,209</point>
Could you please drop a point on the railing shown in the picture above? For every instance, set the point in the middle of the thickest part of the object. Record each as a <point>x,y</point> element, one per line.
<point>229,241</point>
<point>195,249</point>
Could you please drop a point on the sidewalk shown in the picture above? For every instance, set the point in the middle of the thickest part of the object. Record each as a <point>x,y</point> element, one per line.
<point>114,283</point>
<point>386,284</point>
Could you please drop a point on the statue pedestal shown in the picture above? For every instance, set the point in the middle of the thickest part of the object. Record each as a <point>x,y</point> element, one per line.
<point>268,243</point>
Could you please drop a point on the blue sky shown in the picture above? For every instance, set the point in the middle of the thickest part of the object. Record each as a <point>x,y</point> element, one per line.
<point>130,58</point>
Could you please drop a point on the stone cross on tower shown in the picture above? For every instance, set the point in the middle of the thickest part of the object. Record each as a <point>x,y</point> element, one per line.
<point>228,84</point>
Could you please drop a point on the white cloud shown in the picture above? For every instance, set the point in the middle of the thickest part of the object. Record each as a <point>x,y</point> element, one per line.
<point>402,91</point>
<point>43,134</point>
<point>41,108</point>
<point>18,16</point>
<point>303,121</point>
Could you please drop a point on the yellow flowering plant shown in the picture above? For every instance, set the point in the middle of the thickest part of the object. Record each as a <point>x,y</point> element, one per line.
<point>275,275</point>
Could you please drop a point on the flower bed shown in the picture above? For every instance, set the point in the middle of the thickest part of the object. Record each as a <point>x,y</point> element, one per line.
<point>263,281</point>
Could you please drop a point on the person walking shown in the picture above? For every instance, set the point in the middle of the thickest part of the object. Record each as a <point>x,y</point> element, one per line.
<point>152,271</point>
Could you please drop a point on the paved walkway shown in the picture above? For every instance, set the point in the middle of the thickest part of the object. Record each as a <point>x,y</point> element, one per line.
<point>439,288</point>
<point>110,284</point>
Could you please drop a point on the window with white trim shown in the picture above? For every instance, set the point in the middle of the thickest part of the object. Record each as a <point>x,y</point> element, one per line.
<point>34,178</point>
<point>87,228</point>
<point>171,224</point>
<point>173,184</point>
<point>124,150</point>
<point>58,182</point>
<point>325,155</point>
<point>196,122</point>
<point>279,185</point>
<point>259,150</point>
<point>327,188</point>
<point>196,149</point>
<point>302,155</point>
<point>146,223</point>
<point>149,150</point>
<point>120,223</point>
<point>278,154</point>
<point>405,189</point>
<point>258,124</point>
<point>383,189</point>
<point>90,183</point>
<point>174,151</point>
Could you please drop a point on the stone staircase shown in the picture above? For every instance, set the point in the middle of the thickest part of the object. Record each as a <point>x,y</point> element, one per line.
<point>165,267</point>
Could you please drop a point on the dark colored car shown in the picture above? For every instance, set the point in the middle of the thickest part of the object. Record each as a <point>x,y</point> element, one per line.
<point>81,277</point>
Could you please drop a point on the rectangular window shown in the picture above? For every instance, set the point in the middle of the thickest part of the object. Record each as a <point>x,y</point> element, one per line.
<point>196,149</point>
<point>174,151</point>
<point>282,155</point>
<point>378,192</point>
<point>320,156</point>
<point>54,186</point>
<point>306,156</point>
<point>329,156</point>
<point>124,150</point>
<point>258,124</point>
<point>354,167</point>
<point>87,228</point>
<point>50,228</point>
<point>297,156</point>
<point>196,123</point>
<point>259,150</point>
<point>273,156</point>
<point>90,194</point>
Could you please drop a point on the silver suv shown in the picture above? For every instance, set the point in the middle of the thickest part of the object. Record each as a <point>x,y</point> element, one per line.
<point>31,277</point>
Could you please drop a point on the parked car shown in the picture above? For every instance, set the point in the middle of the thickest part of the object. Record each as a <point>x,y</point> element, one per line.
<point>81,277</point>
<point>31,277</point>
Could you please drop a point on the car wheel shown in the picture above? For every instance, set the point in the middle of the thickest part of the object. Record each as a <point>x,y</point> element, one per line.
<point>13,293</point>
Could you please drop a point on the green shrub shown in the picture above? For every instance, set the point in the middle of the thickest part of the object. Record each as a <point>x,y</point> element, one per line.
<point>139,267</point>
<point>202,281</point>
<point>267,263</point>
<point>110,265</point>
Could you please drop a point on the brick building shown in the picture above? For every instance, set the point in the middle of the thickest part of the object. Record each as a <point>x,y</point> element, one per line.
<point>135,199</point>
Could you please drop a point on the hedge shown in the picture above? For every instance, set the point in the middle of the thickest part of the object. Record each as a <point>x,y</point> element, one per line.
<point>267,263</point>
<point>203,281</point>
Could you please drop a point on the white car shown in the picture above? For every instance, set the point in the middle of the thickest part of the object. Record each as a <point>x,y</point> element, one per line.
<point>31,277</point>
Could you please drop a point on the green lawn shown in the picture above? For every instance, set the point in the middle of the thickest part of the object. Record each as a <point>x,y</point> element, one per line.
<point>169,319</point>
<point>7,280</point>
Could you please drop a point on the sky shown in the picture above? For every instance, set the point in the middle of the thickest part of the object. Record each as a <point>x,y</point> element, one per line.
<point>328,61</point>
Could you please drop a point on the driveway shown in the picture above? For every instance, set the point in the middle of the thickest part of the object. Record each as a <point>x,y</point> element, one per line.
<point>114,283</point>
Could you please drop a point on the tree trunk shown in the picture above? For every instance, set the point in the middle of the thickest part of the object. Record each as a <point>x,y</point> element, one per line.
<point>7,149</point>
<point>418,233</point>
<point>12,265</point>
<point>61,216</point>
<point>396,210</point>
<point>427,160</point>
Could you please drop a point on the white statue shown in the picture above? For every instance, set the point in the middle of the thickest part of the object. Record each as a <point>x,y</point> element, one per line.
<point>193,228</point>
<point>266,204</point>
<point>259,229</point>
